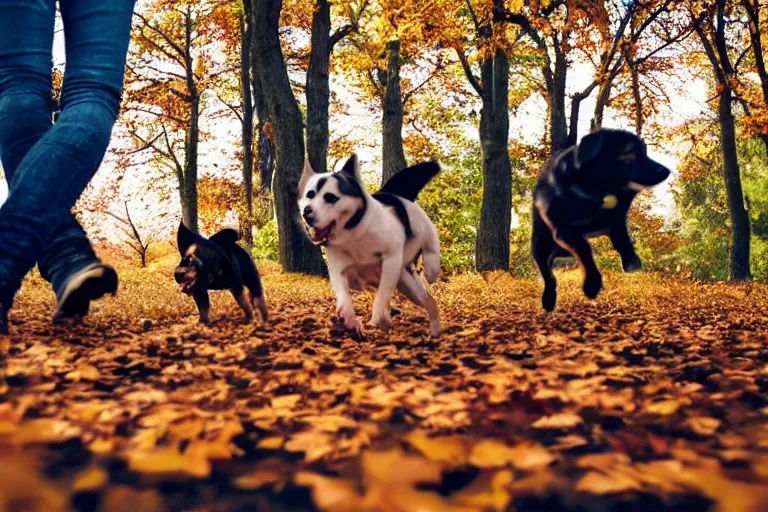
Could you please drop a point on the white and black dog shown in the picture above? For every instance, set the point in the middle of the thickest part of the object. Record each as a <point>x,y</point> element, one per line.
<point>373,239</point>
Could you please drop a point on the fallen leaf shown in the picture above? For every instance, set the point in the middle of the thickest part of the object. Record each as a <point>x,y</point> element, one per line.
<point>702,426</point>
<point>169,463</point>
<point>491,453</point>
<point>332,494</point>
<point>602,484</point>
<point>450,450</point>
<point>565,420</point>
<point>91,479</point>
<point>394,467</point>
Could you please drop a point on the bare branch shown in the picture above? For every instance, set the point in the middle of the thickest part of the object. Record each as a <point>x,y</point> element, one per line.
<point>473,81</point>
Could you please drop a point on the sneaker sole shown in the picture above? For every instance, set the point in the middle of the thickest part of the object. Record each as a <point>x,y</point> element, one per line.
<point>90,285</point>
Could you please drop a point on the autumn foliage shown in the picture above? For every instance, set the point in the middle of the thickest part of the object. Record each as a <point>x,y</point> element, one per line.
<point>654,394</point>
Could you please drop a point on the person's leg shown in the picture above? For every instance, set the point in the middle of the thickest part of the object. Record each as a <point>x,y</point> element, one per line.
<point>25,116</point>
<point>26,39</point>
<point>53,174</point>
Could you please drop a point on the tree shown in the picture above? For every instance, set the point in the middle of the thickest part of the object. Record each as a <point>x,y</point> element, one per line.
<point>756,31</point>
<point>392,34</point>
<point>167,75</point>
<point>710,25</point>
<point>559,29</point>
<point>134,239</point>
<point>236,94</point>
<point>297,253</point>
<point>492,244</point>
<point>318,90</point>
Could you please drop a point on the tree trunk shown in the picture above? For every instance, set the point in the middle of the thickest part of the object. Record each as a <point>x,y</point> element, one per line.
<point>246,224</point>
<point>264,149</point>
<point>393,156</point>
<point>603,95</point>
<point>753,11</point>
<point>739,217</point>
<point>558,121</point>
<point>318,90</point>
<point>492,245</point>
<point>189,183</point>
<point>637,99</point>
<point>297,252</point>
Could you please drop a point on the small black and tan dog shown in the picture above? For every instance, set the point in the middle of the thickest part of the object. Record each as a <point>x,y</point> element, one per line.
<point>584,192</point>
<point>218,263</point>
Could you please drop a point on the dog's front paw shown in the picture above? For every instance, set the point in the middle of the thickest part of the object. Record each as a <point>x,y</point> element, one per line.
<point>592,285</point>
<point>382,320</point>
<point>435,328</point>
<point>632,264</point>
<point>549,299</point>
<point>347,314</point>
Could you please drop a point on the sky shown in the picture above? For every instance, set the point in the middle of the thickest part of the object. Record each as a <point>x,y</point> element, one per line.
<point>526,125</point>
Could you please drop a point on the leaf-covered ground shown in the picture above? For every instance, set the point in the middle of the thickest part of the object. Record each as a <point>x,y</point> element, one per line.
<point>654,397</point>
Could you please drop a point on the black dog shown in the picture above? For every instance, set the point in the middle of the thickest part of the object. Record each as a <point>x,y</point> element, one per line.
<point>584,192</point>
<point>218,263</point>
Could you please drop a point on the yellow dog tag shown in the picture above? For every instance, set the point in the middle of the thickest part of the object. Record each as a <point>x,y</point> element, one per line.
<point>609,202</point>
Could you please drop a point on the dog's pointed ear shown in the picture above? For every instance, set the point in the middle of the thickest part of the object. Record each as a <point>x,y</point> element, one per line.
<point>351,169</point>
<point>185,238</point>
<point>589,147</point>
<point>306,173</point>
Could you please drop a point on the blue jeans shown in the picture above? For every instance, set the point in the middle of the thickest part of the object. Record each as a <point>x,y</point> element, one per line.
<point>47,166</point>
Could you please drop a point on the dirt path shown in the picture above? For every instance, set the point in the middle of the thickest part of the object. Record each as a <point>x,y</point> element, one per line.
<point>655,397</point>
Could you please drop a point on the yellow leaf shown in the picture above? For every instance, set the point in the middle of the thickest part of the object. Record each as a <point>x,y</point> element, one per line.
<point>258,479</point>
<point>271,443</point>
<point>598,483</point>
<point>664,408</point>
<point>91,479</point>
<point>491,453</point>
<point>565,420</point>
<point>170,463</point>
<point>334,494</point>
<point>448,449</point>
<point>395,467</point>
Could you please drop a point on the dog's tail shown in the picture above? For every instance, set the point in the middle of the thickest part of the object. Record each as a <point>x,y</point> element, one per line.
<point>430,255</point>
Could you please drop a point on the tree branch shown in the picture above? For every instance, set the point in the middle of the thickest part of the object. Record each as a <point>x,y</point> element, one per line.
<point>473,81</point>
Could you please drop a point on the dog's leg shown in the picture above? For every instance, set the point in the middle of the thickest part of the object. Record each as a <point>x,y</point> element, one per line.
<point>582,252</point>
<point>622,242</point>
<point>413,289</point>
<point>431,256</point>
<point>391,267</point>
<point>541,249</point>
<point>203,304</point>
<point>244,303</point>
<point>345,309</point>
<point>252,281</point>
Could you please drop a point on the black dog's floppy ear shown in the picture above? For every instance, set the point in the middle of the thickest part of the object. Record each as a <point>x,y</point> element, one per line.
<point>226,237</point>
<point>350,168</point>
<point>589,147</point>
<point>411,180</point>
<point>185,238</point>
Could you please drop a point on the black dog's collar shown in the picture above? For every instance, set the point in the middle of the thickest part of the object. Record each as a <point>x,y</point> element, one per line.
<point>606,202</point>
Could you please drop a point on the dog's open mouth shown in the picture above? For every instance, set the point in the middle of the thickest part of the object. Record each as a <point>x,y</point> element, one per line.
<point>188,285</point>
<point>321,236</point>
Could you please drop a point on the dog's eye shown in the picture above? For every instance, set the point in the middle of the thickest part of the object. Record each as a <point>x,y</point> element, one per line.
<point>311,194</point>
<point>628,157</point>
<point>330,198</point>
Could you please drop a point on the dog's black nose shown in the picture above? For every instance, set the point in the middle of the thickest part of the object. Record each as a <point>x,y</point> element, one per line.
<point>309,216</point>
<point>662,172</point>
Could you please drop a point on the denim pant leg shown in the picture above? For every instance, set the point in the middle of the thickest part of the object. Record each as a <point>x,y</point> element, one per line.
<point>54,172</point>
<point>25,112</point>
